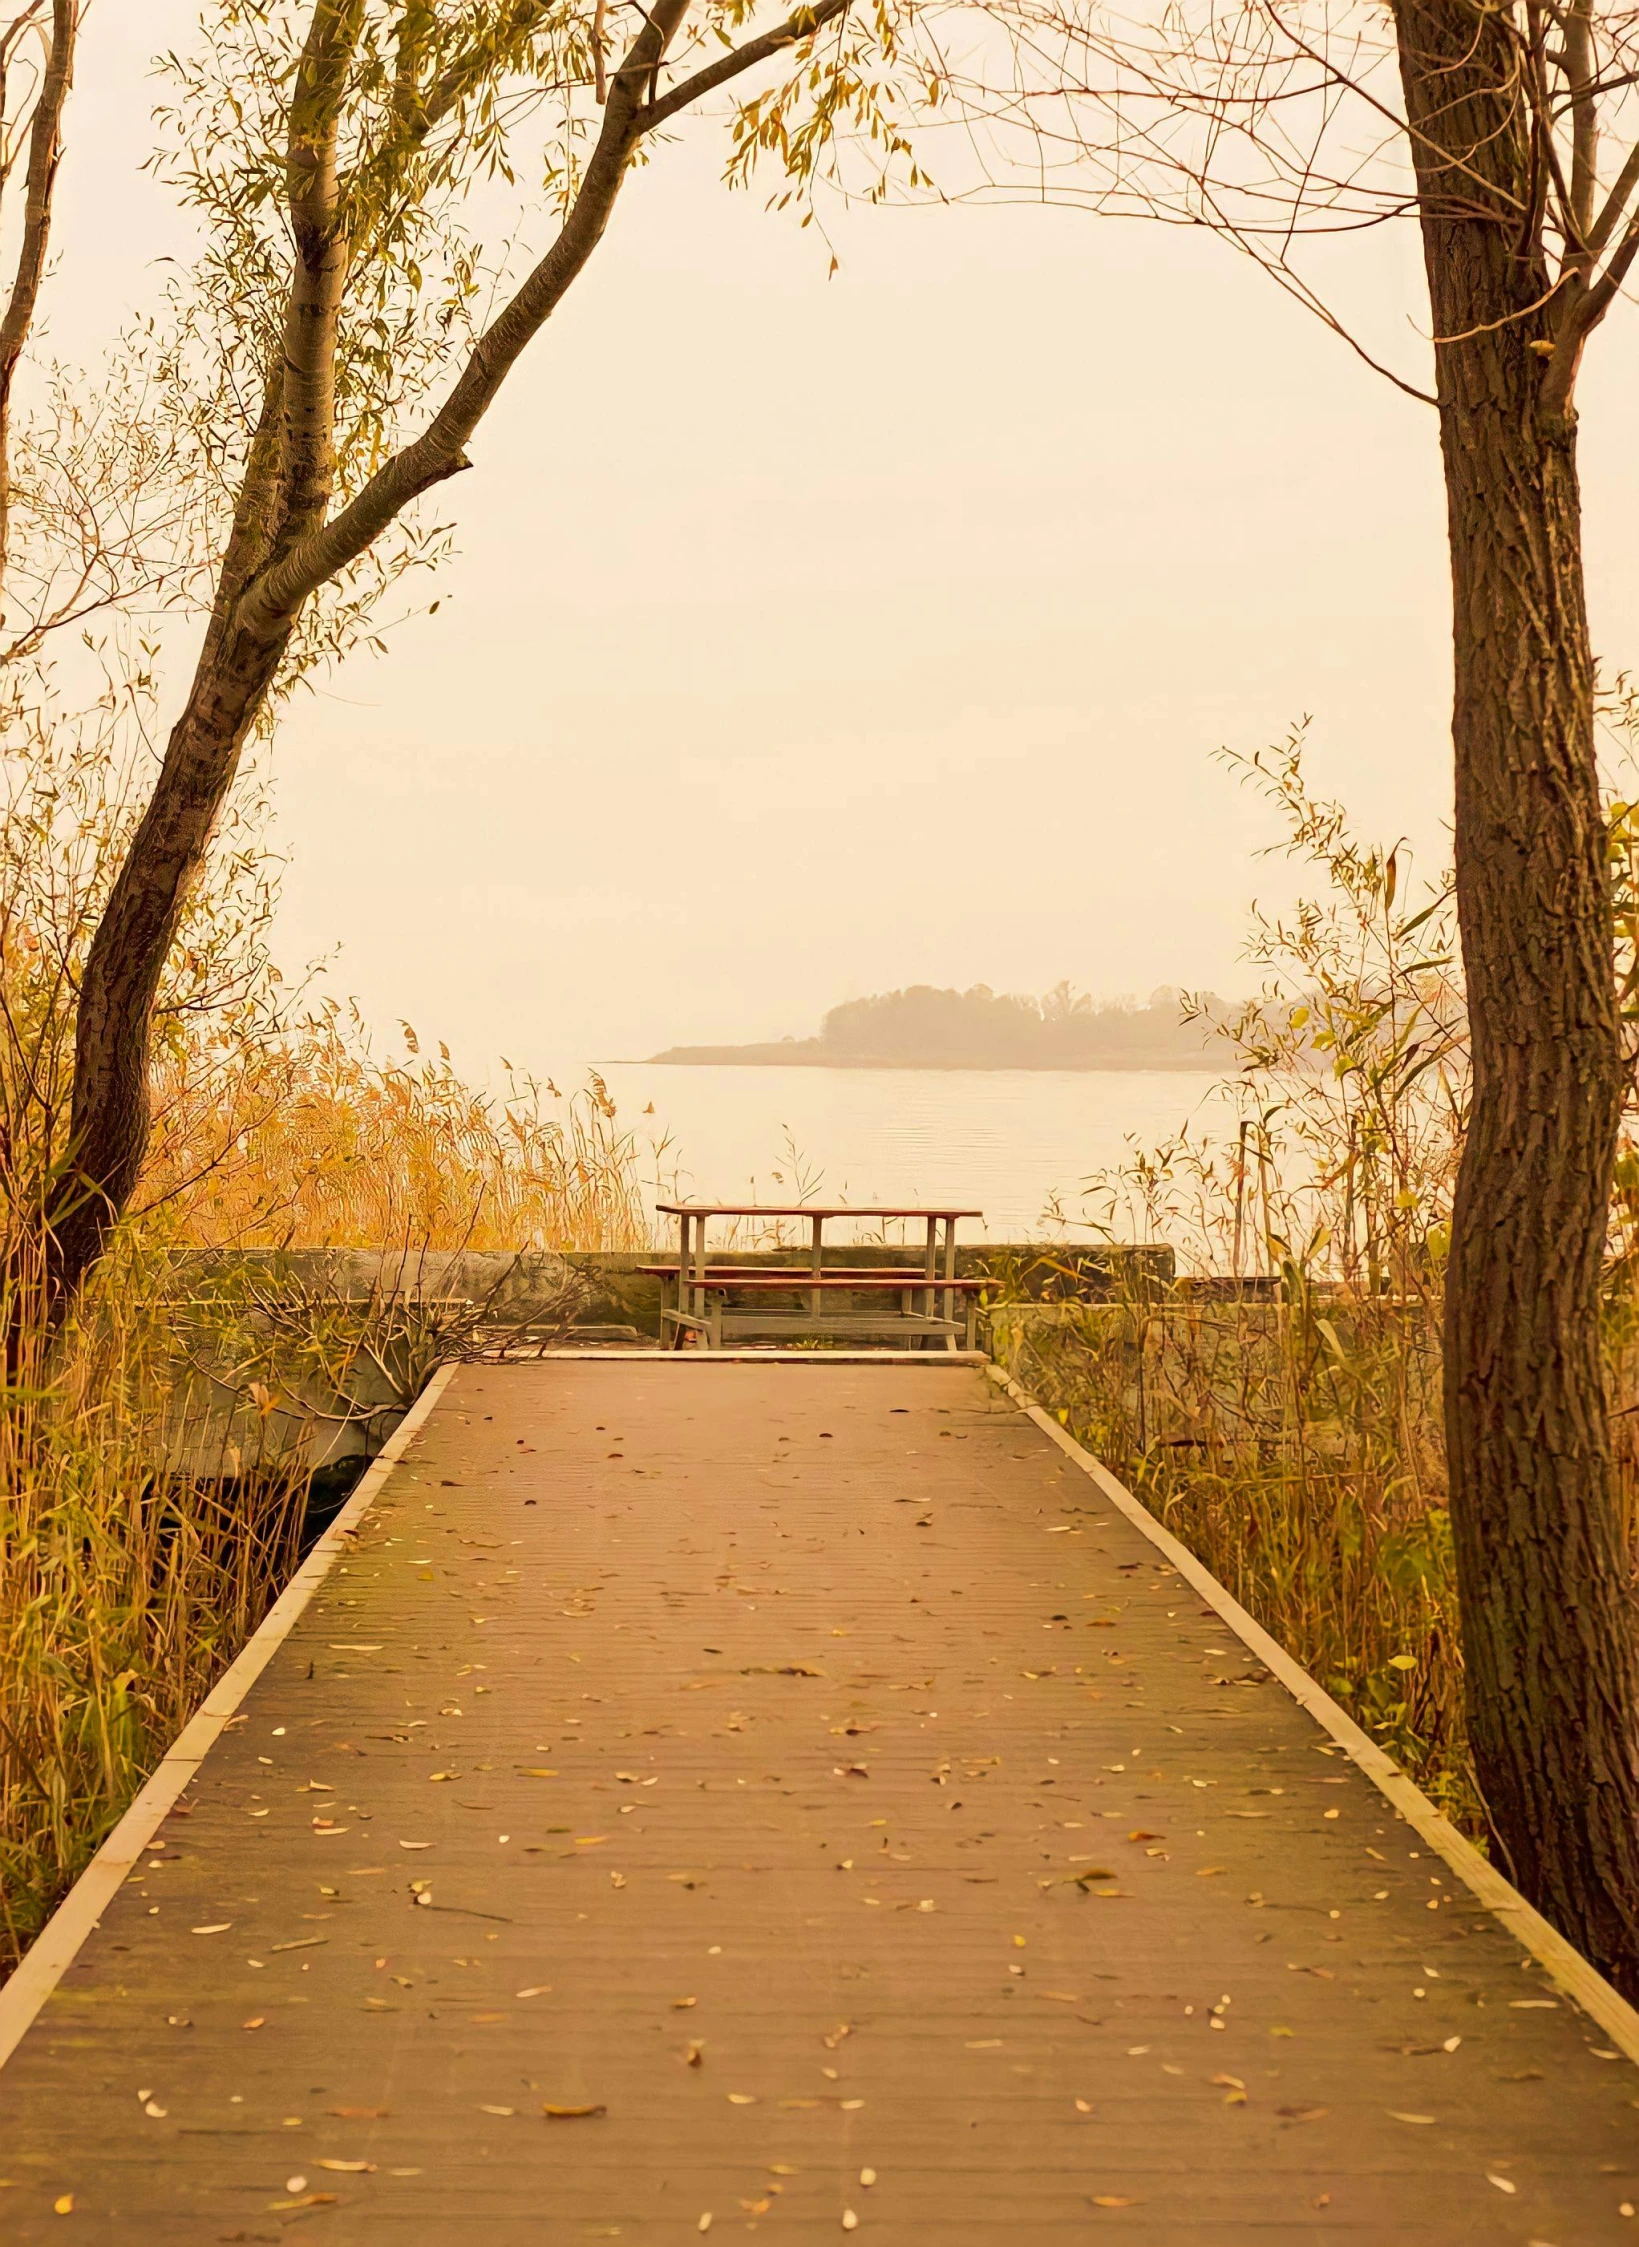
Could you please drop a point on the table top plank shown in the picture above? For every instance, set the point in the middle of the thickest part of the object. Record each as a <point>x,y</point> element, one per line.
<point>801,1209</point>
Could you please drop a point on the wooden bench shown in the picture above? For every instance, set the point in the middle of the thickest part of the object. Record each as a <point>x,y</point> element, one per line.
<point>704,1302</point>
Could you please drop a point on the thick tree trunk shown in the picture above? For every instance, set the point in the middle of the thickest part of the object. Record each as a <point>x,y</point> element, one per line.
<point>1549,1621</point>
<point>110,1119</point>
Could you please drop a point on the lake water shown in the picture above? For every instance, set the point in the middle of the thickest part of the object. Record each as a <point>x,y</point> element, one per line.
<point>1013,1143</point>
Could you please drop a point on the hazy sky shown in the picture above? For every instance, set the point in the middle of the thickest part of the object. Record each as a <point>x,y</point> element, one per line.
<point>814,636</point>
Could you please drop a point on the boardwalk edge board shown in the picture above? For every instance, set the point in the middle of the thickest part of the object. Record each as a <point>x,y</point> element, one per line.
<point>1565,1966</point>
<point>58,1943</point>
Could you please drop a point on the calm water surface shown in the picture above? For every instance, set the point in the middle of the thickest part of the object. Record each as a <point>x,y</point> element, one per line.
<point>1009,1142</point>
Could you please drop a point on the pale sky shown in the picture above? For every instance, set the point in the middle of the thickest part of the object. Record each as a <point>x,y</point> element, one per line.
<point>810,637</point>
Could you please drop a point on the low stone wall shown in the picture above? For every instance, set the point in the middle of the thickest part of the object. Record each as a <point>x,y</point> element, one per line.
<point>320,1351</point>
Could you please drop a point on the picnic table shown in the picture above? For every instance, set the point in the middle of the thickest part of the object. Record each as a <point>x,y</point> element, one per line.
<point>717,1304</point>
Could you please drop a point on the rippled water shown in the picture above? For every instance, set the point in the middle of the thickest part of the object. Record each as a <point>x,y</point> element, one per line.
<point>1009,1142</point>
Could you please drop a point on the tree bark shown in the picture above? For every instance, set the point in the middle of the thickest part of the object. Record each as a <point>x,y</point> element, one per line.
<point>1545,1576</point>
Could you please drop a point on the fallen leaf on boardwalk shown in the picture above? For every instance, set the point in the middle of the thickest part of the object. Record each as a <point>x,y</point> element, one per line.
<point>436,1775</point>
<point>1113,2200</point>
<point>497,2110</point>
<point>799,2102</point>
<point>361,2114</point>
<point>1231,2083</point>
<point>260,2022</point>
<point>1084,2106</point>
<point>352,2168</point>
<point>842,2029</point>
<point>305,1943</point>
<point>1205,1872</point>
<point>1094,1872</point>
<point>415,1845</point>
<point>1398,2117</point>
<point>850,2222</point>
<point>338,1647</point>
<point>1138,1834</point>
<point>1451,2043</point>
<point>537,1989</point>
<point>742,2099</point>
<point>308,2200</point>
<point>217,1927</point>
<point>1313,2114</point>
<point>682,2004</point>
<point>1060,1997</point>
<point>695,2056</point>
<point>572,2114</point>
<point>850,2106</point>
<point>1533,2005</point>
<point>63,2205</point>
<point>705,2222</point>
<point>535,1771</point>
<point>1503,2184</point>
<point>591,1840</point>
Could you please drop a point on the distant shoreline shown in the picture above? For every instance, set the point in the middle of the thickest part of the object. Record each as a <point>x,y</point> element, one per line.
<point>794,1056</point>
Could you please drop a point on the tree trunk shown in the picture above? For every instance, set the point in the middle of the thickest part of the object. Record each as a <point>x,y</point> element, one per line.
<point>109,1125</point>
<point>1544,1572</point>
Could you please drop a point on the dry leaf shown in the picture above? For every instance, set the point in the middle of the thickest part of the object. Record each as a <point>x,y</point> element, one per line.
<point>260,2022</point>
<point>497,2110</point>
<point>1397,2117</point>
<point>217,1927</point>
<point>352,2168</point>
<point>1300,2114</point>
<point>742,2099</point>
<point>572,2114</point>
<point>361,2114</point>
<point>1113,2200</point>
<point>1503,2184</point>
<point>537,1989</point>
<point>63,2205</point>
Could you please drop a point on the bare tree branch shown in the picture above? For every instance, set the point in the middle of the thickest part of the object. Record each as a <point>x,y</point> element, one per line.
<point>45,148</point>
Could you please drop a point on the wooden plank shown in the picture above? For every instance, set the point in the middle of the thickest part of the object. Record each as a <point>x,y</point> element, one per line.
<point>992,1862</point>
<point>804,1209</point>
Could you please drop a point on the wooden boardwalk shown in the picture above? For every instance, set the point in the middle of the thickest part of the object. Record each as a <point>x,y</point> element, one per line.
<point>790,1799</point>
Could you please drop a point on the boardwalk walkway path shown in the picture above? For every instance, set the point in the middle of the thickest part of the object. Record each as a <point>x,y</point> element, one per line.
<point>789,1799</point>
